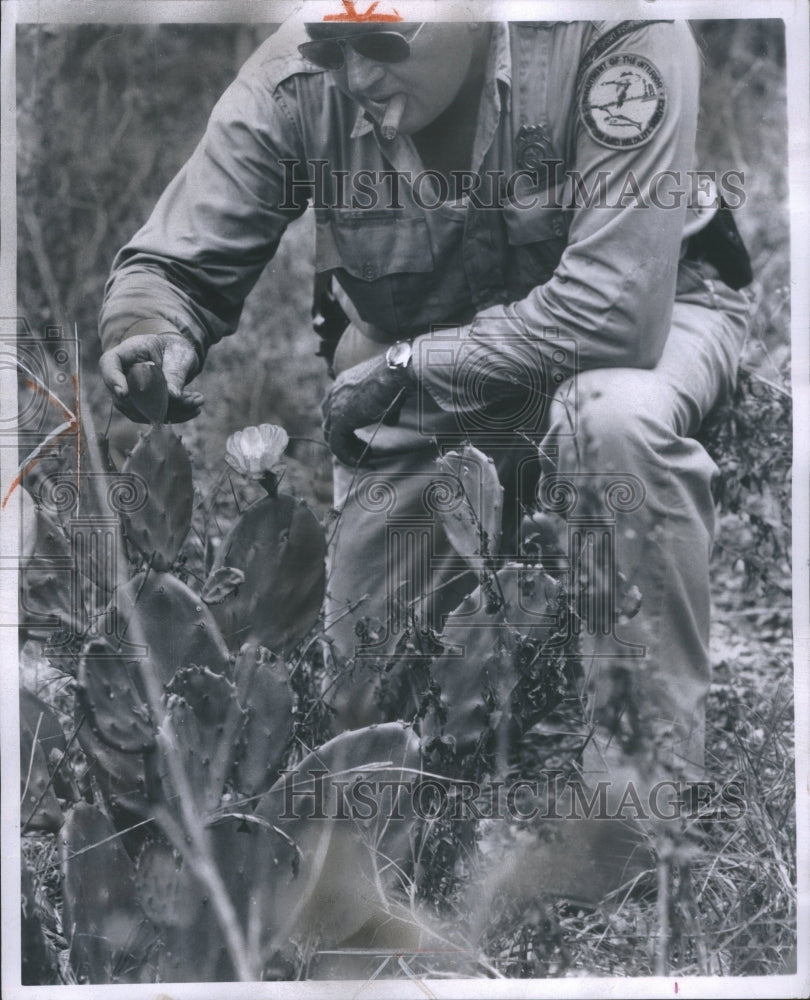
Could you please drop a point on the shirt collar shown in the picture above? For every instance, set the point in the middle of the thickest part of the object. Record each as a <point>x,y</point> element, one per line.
<point>499,68</point>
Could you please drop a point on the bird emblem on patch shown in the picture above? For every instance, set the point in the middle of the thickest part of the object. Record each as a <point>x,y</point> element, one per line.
<point>623,101</point>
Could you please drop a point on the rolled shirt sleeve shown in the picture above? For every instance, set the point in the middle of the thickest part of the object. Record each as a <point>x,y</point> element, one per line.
<point>613,290</point>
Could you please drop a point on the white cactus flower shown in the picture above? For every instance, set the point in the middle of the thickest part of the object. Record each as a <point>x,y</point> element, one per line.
<point>255,451</point>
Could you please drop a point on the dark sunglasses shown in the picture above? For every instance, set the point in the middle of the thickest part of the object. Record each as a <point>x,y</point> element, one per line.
<point>379,46</point>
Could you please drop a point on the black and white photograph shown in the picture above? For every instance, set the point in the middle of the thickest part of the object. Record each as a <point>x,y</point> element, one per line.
<point>404,488</point>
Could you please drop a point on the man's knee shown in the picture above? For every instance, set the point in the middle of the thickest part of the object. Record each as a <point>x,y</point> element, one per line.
<point>607,415</point>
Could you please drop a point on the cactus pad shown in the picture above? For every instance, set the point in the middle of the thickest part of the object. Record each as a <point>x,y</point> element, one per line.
<point>45,581</point>
<point>472,516</point>
<point>167,891</point>
<point>162,616</point>
<point>157,610</point>
<point>205,718</point>
<point>110,937</point>
<point>278,547</point>
<point>111,693</point>
<point>257,865</point>
<point>347,862</point>
<point>263,691</point>
<point>119,776</point>
<point>477,674</point>
<point>157,529</point>
<point>148,393</point>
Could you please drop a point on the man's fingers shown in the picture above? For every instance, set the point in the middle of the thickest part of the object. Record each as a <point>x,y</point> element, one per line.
<point>349,449</point>
<point>340,437</point>
<point>175,357</point>
<point>184,407</point>
<point>178,411</point>
<point>116,362</point>
<point>112,372</point>
<point>179,361</point>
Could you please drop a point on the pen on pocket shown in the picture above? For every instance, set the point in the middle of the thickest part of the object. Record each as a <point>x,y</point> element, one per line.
<point>393,116</point>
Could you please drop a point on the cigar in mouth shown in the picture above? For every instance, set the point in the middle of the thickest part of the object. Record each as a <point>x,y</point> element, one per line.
<point>392,117</point>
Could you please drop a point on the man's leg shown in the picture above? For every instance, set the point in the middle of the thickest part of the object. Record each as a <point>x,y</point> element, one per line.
<point>619,459</point>
<point>391,570</point>
<point>646,484</point>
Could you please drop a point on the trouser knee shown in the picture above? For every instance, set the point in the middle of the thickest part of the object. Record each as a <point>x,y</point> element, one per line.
<point>602,420</point>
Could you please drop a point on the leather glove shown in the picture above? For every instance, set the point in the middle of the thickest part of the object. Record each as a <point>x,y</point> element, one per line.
<point>368,393</point>
<point>173,354</point>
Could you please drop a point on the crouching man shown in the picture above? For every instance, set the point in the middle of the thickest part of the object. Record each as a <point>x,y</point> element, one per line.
<point>510,212</point>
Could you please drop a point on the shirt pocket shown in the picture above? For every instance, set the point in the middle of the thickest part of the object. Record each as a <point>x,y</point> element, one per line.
<point>537,235</point>
<point>372,244</point>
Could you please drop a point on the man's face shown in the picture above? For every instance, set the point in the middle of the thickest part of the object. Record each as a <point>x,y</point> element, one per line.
<point>430,77</point>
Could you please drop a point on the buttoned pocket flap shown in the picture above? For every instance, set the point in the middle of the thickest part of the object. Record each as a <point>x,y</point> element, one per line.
<point>372,244</point>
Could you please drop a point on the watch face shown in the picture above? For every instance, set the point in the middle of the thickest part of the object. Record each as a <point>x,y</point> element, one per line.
<point>399,355</point>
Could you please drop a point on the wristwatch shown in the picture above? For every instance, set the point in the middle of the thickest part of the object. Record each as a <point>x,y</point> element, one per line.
<point>398,358</point>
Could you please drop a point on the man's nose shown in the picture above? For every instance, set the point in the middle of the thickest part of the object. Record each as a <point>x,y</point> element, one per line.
<point>361,73</point>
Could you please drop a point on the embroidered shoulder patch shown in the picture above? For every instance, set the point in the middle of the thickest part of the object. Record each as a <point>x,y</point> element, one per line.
<point>623,101</point>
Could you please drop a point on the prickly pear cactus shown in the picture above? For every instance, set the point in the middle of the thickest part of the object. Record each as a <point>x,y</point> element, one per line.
<point>119,777</point>
<point>168,893</point>
<point>170,629</point>
<point>474,680</point>
<point>472,521</point>
<point>110,936</point>
<point>203,719</point>
<point>156,530</point>
<point>286,872</point>
<point>263,691</point>
<point>162,621</point>
<point>157,610</point>
<point>347,863</point>
<point>267,582</point>
<point>111,693</point>
<point>122,435</point>
<point>258,865</point>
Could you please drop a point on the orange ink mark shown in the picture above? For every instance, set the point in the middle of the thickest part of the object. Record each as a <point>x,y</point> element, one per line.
<point>71,426</point>
<point>33,459</point>
<point>34,383</point>
<point>350,13</point>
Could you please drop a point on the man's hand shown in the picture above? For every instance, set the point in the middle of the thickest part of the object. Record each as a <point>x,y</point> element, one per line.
<point>369,393</point>
<point>173,354</point>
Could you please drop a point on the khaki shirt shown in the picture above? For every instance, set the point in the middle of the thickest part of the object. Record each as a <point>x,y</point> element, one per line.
<point>599,271</point>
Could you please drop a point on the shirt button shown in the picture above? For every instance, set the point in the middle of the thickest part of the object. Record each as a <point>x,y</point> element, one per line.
<point>369,271</point>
